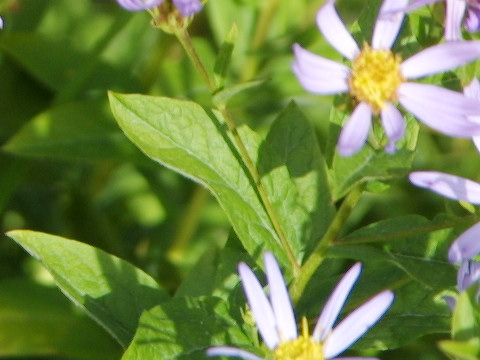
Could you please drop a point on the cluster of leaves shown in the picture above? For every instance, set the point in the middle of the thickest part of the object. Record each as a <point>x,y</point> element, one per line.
<point>77,162</point>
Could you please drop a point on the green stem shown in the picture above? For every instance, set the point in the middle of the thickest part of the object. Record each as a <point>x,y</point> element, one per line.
<point>186,42</point>
<point>184,38</point>
<point>260,34</point>
<point>316,258</point>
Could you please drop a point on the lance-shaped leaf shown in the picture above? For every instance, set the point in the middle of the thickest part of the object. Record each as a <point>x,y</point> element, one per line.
<point>110,290</point>
<point>195,142</point>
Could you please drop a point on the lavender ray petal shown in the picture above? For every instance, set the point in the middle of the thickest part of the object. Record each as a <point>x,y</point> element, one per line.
<point>455,9</point>
<point>355,132</point>
<point>387,26</point>
<point>335,303</point>
<point>443,114</point>
<point>472,90</point>
<point>335,32</point>
<point>231,352</point>
<point>188,7</point>
<point>466,246</point>
<point>356,324</point>
<point>450,186</point>
<point>259,305</point>
<point>438,58</point>
<point>138,5</point>
<point>319,75</point>
<point>280,300</point>
<point>440,99</point>
<point>393,123</point>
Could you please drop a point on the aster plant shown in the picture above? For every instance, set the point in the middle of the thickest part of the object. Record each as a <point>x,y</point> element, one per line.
<point>184,142</point>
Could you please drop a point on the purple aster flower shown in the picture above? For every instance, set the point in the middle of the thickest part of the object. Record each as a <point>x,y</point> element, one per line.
<point>276,321</point>
<point>454,15</point>
<point>186,7</point>
<point>377,79</point>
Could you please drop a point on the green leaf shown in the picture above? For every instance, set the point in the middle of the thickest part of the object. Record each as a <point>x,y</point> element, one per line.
<point>461,350</point>
<point>39,321</point>
<point>224,56</point>
<point>184,328</point>
<point>110,290</point>
<point>79,130</point>
<point>183,136</point>
<point>368,165</point>
<point>294,173</point>
<point>194,142</point>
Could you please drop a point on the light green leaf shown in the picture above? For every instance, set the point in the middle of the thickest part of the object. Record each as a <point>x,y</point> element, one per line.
<point>110,290</point>
<point>368,165</point>
<point>461,350</point>
<point>184,328</point>
<point>39,321</point>
<point>183,136</point>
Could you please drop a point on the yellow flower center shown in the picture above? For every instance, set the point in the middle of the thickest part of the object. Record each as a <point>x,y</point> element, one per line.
<point>301,348</point>
<point>375,77</point>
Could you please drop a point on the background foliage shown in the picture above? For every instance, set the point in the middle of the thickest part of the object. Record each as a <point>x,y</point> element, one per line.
<point>154,261</point>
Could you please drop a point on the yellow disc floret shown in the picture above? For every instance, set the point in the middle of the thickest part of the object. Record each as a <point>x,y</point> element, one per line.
<point>301,348</point>
<point>375,77</point>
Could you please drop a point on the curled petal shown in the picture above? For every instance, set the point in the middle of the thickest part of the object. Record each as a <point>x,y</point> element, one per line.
<point>472,22</point>
<point>259,305</point>
<point>335,303</point>
<point>450,186</point>
<point>393,123</point>
<point>443,110</point>
<point>466,246</point>
<point>335,32</point>
<point>188,7</point>
<point>138,5</point>
<point>319,75</point>
<point>280,300</point>
<point>455,9</point>
<point>468,274</point>
<point>355,132</point>
<point>439,58</point>
<point>357,323</point>
<point>387,26</point>
<point>232,352</point>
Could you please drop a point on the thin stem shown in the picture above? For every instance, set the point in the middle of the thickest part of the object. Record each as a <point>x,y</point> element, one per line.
<point>186,42</point>
<point>317,256</point>
<point>261,32</point>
